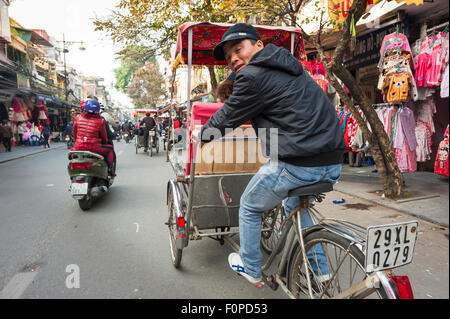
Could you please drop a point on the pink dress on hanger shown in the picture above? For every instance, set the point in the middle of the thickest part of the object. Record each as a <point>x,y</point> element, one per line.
<point>405,142</point>
<point>437,66</point>
<point>424,62</point>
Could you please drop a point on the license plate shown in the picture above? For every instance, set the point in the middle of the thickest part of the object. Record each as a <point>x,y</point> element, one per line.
<point>390,246</point>
<point>152,133</point>
<point>79,188</point>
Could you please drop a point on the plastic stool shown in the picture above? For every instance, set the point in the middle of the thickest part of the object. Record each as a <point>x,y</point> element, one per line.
<point>34,140</point>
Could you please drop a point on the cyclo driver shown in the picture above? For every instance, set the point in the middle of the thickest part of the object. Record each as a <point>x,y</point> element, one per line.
<point>148,125</point>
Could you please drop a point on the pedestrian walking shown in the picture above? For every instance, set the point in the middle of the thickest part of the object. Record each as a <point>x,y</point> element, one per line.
<point>45,134</point>
<point>6,135</point>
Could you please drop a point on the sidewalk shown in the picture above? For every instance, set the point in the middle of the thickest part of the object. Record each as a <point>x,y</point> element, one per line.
<point>428,193</point>
<point>24,151</point>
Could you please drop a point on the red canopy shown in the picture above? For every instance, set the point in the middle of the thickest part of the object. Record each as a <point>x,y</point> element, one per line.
<point>207,35</point>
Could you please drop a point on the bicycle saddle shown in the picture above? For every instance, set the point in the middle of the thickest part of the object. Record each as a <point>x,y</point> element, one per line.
<point>313,189</point>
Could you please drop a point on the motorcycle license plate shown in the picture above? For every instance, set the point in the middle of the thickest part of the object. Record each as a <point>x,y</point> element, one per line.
<point>390,246</point>
<point>79,188</point>
<point>152,133</point>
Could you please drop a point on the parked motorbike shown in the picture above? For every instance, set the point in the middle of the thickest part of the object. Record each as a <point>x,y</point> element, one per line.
<point>89,176</point>
<point>69,141</point>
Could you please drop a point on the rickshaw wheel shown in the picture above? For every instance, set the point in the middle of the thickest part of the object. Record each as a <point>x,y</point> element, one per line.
<point>271,219</point>
<point>174,251</point>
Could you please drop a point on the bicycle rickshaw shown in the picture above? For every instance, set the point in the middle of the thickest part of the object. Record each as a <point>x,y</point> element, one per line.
<point>203,201</point>
<point>153,139</point>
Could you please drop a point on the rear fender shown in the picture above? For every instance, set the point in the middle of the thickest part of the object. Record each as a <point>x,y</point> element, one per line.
<point>99,167</point>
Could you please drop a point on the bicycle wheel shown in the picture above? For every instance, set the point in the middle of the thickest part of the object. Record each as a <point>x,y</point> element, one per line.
<point>340,266</point>
<point>271,220</point>
<point>175,253</point>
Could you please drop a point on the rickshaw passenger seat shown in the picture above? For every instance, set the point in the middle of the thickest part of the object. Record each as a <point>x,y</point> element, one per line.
<point>313,189</point>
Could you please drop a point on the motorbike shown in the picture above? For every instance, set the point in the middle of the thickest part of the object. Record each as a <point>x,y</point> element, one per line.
<point>69,141</point>
<point>89,176</point>
<point>129,135</point>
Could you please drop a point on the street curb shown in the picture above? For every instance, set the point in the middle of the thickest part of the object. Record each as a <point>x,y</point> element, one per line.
<point>28,155</point>
<point>406,211</point>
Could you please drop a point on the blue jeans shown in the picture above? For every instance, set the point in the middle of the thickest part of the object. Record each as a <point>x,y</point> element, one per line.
<point>266,189</point>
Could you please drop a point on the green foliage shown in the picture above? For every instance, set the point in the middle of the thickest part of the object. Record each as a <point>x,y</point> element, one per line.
<point>145,88</point>
<point>123,76</point>
<point>154,23</point>
<point>133,57</point>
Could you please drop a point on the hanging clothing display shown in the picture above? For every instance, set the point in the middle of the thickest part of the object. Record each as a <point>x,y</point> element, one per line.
<point>445,74</point>
<point>432,59</point>
<point>396,67</point>
<point>441,165</point>
<point>352,132</point>
<point>20,113</point>
<point>405,142</point>
<point>423,137</point>
<point>399,125</point>
<point>424,113</point>
<point>318,73</point>
<point>424,128</point>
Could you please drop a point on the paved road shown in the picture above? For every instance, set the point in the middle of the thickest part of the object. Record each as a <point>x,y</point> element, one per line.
<point>120,246</point>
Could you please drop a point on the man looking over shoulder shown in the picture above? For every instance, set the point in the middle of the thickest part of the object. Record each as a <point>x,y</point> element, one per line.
<point>272,90</point>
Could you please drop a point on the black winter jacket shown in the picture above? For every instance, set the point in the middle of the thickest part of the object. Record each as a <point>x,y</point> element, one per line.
<point>273,91</point>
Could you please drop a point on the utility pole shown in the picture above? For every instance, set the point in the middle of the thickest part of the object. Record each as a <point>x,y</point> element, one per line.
<point>65,67</point>
<point>65,50</point>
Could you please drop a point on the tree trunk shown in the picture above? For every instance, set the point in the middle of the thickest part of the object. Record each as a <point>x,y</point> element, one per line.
<point>212,76</point>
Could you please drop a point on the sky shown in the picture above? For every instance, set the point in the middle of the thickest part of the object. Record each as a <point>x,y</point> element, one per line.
<point>74,19</point>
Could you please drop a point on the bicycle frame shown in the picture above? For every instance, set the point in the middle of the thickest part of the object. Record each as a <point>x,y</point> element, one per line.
<point>287,241</point>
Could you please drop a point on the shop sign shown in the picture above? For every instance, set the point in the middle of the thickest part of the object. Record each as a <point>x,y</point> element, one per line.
<point>367,48</point>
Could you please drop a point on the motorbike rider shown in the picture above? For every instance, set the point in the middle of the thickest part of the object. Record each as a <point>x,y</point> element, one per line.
<point>69,132</point>
<point>110,133</point>
<point>69,129</point>
<point>148,124</point>
<point>90,133</point>
<point>126,127</point>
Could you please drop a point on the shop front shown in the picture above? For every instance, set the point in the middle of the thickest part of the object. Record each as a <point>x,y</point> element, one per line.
<point>403,70</point>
